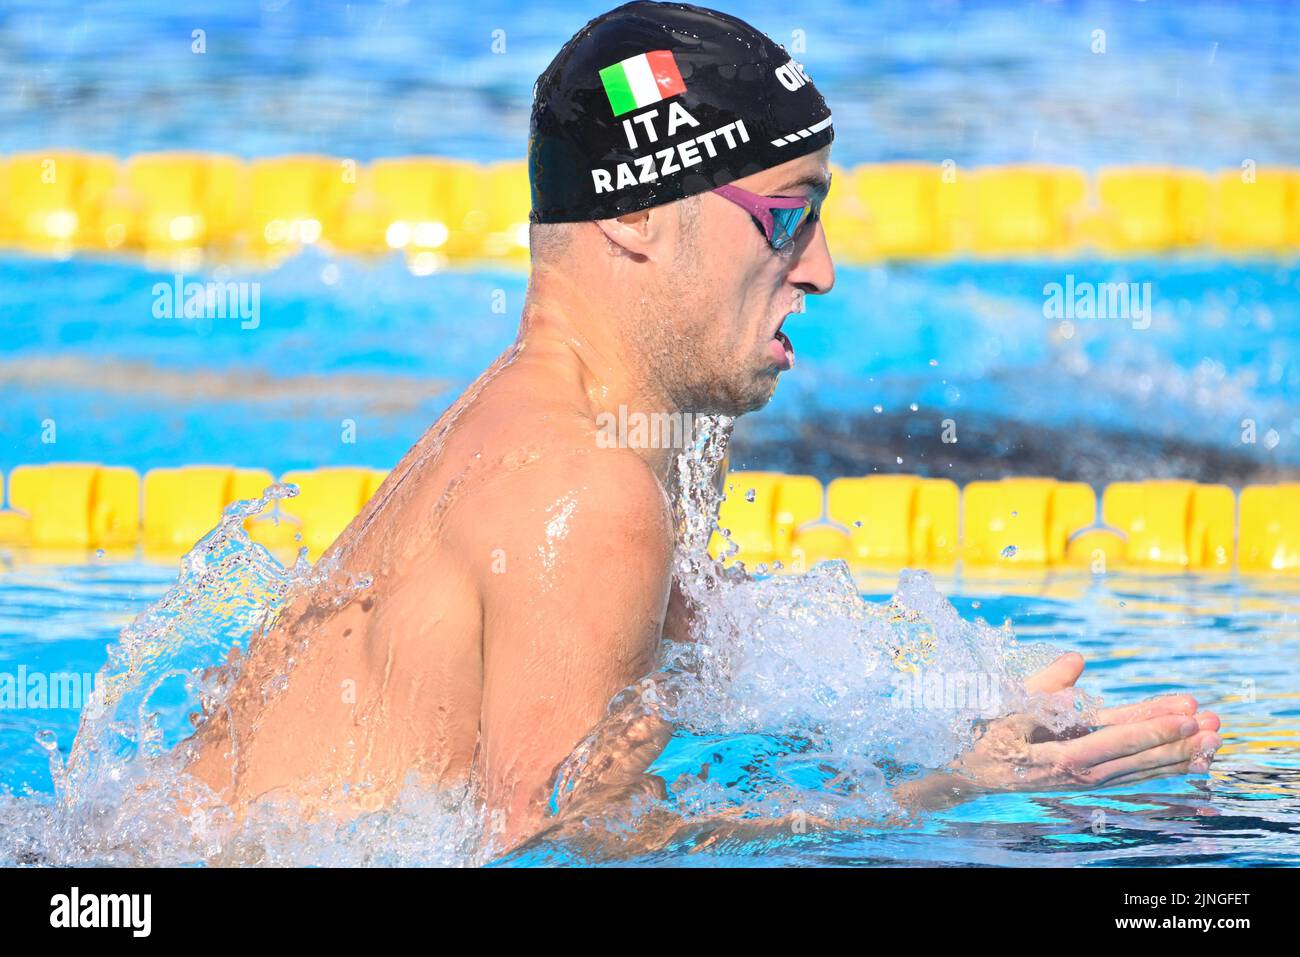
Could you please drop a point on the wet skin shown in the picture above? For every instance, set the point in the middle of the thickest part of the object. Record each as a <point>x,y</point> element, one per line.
<point>522,570</point>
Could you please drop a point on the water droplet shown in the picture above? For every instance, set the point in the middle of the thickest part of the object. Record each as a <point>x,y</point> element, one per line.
<point>47,739</point>
<point>858,523</point>
<point>1009,552</point>
<point>898,459</point>
<point>877,409</point>
<point>749,496</point>
<point>913,406</point>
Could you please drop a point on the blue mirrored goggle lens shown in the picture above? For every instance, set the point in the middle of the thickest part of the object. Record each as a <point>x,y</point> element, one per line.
<point>787,223</point>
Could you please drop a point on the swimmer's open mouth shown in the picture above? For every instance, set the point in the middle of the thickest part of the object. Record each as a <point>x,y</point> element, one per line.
<point>784,341</point>
<point>781,348</point>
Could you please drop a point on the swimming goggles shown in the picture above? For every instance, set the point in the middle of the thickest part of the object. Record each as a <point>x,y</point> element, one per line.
<point>779,218</point>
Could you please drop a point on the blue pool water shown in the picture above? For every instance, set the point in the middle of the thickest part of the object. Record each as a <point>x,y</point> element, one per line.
<point>1198,83</point>
<point>1233,644</point>
<point>88,373</point>
<point>372,344</point>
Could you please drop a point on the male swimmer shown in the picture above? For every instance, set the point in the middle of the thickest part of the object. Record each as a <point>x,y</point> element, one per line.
<point>521,567</point>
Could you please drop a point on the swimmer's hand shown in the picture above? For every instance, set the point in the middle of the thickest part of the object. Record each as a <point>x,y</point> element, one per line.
<point>1152,738</point>
<point>1134,742</point>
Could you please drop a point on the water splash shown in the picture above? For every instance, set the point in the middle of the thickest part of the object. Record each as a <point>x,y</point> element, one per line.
<point>841,697</point>
<point>122,798</point>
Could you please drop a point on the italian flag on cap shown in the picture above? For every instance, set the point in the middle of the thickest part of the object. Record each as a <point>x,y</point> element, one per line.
<point>641,80</point>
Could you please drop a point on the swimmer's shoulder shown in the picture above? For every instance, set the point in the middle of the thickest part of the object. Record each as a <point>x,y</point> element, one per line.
<point>530,442</point>
<point>524,424</point>
<point>563,485</point>
<point>533,472</point>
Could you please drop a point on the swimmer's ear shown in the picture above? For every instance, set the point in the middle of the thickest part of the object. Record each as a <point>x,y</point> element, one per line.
<point>639,234</point>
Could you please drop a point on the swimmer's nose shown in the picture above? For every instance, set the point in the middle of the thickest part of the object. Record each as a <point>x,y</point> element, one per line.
<point>813,270</point>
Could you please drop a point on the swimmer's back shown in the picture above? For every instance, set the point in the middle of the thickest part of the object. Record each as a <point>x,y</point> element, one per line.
<point>392,681</point>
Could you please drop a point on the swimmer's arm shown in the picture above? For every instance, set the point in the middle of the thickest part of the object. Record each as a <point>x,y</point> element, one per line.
<point>935,791</point>
<point>1132,743</point>
<point>621,824</point>
<point>574,617</point>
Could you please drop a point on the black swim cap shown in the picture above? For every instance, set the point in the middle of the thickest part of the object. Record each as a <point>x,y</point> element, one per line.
<point>653,102</point>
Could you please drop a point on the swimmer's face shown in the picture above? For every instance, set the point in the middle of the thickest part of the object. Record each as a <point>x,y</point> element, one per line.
<point>741,291</point>
<point>708,295</point>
